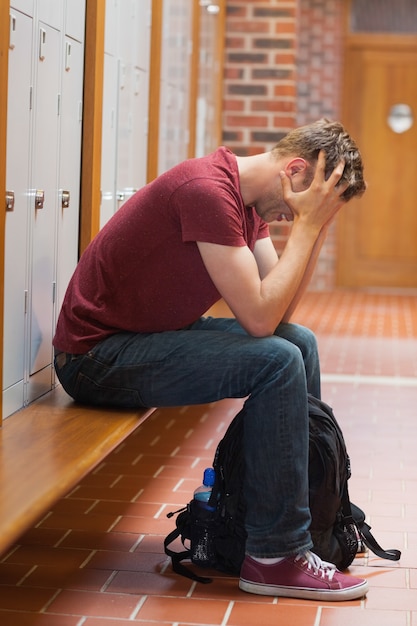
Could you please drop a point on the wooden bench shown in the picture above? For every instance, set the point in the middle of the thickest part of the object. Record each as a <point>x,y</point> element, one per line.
<point>46,449</point>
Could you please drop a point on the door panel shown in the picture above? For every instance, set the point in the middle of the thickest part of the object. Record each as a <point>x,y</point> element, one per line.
<point>377,235</point>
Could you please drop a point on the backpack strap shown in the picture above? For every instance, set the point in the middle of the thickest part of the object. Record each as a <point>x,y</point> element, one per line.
<point>177,557</point>
<point>368,538</point>
<point>370,541</point>
<point>353,514</point>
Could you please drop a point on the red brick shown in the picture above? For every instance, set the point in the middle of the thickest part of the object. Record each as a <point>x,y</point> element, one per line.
<point>233,105</point>
<point>246,120</point>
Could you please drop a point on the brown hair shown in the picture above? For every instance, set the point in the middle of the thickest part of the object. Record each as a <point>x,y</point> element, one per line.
<point>307,141</point>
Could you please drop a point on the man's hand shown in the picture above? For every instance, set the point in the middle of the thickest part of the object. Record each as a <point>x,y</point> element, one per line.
<point>317,205</point>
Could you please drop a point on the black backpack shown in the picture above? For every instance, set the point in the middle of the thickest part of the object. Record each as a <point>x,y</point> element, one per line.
<point>216,539</point>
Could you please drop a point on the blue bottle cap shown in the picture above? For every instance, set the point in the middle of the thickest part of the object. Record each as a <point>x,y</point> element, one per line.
<point>209,477</point>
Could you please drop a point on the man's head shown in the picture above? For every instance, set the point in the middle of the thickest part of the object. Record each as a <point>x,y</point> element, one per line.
<point>306,142</point>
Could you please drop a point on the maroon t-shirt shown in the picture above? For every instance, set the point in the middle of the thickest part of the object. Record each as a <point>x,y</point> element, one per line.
<point>143,271</point>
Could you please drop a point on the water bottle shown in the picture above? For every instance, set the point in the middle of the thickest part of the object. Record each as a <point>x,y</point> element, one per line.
<point>202,546</point>
<point>203,492</point>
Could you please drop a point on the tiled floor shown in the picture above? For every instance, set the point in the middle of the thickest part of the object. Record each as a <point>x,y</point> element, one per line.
<point>97,558</point>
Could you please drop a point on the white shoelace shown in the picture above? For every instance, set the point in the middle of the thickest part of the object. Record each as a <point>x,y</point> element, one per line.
<point>314,562</point>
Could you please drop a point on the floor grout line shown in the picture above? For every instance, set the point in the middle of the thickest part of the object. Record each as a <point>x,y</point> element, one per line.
<point>365,379</point>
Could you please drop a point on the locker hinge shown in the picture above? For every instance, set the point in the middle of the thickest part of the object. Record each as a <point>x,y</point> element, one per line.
<point>25,301</point>
<point>53,292</point>
<point>59,104</point>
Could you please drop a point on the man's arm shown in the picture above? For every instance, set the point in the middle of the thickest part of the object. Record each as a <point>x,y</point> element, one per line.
<point>259,304</point>
<point>266,258</point>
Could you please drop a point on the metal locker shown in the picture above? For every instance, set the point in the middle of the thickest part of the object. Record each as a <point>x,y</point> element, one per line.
<point>44,200</point>
<point>69,165</point>
<point>75,19</point>
<point>109,140</point>
<point>125,103</point>
<point>139,138</point>
<point>175,83</point>
<point>16,235</point>
<point>51,12</point>
<point>24,6</point>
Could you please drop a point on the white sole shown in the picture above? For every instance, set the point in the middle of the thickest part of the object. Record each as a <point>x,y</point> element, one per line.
<point>352,593</point>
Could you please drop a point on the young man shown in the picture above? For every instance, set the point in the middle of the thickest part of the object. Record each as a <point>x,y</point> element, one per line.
<point>132,331</point>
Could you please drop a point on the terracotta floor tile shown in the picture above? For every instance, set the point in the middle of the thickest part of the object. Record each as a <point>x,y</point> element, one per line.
<point>145,525</point>
<point>349,616</point>
<point>103,605</point>
<point>226,588</point>
<point>271,614</point>
<point>42,536</point>
<point>149,583</point>
<point>187,610</point>
<point>21,618</point>
<point>150,543</point>
<point>70,578</point>
<point>24,599</point>
<point>45,555</point>
<point>12,573</point>
<point>127,561</point>
<point>80,522</point>
<point>395,600</point>
<point>105,493</point>
<point>99,540</point>
<point>70,506</point>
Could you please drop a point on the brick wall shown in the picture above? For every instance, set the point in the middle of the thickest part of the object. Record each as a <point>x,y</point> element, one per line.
<point>282,69</point>
<point>260,74</point>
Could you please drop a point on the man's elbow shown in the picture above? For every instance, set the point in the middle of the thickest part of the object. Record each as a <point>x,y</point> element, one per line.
<point>260,328</point>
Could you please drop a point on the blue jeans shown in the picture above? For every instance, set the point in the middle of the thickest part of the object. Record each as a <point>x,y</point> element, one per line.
<point>210,360</point>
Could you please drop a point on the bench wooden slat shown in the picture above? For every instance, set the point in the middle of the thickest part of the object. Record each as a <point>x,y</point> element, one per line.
<point>46,449</point>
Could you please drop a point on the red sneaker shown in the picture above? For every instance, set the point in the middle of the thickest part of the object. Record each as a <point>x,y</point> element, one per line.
<point>303,576</point>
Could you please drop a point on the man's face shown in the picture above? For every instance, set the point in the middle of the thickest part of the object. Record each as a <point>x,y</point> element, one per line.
<point>271,205</point>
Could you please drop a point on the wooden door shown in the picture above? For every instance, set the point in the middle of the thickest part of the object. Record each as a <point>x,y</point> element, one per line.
<point>377,235</point>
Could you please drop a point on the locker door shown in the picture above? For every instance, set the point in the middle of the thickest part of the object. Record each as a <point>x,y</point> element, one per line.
<point>125,103</point>
<point>44,208</point>
<point>25,6</point>
<point>75,19</point>
<point>175,83</point>
<point>124,132</point>
<point>51,12</point>
<point>139,136</point>
<point>69,165</point>
<point>17,180</point>
<point>142,30</point>
<point>109,130</point>
<point>140,94</point>
<point>128,33</point>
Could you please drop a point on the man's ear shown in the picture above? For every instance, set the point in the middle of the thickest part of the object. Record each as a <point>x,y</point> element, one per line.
<point>295,166</point>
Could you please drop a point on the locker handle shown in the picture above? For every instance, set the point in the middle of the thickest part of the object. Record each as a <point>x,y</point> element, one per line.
<point>42,44</point>
<point>65,199</point>
<point>12,31</point>
<point>39,199</point>
<point>9,200</point>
